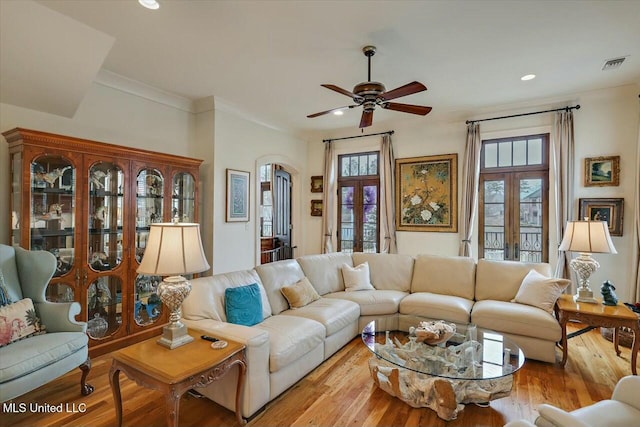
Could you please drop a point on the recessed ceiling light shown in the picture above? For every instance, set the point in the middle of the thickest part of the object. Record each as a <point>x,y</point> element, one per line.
<point>150,4</point>
<point>528,77</point>
<point>338,113</point>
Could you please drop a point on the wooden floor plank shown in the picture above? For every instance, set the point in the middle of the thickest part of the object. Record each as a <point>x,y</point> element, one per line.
<point>339,393</point>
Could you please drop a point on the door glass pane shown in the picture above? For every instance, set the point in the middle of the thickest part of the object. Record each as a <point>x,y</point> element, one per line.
<point>106,202</point>
<point>183,198</point>
<point>370,218</point>
<point>149,196</point>
<point>347,219</point>
<point>504,154</point>
<point>147,304</point>
<point>531,220</point>
<point>494,219</point>
<point>104,305</point>
<point>53,184</point>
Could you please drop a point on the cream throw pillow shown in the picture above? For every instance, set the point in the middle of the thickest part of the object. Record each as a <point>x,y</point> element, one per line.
<point>540,291</point>
<point>300,293</point>
<point>356,278</point>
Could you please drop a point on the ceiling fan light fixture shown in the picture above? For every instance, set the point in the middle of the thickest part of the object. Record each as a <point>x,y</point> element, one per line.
<point>338,113</point>
<point>527,77</point>
<point>150,4</point>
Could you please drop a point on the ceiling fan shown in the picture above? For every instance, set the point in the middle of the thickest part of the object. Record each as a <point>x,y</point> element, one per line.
<point>369,94</point>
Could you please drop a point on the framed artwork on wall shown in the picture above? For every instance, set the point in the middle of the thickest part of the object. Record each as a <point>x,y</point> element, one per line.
<point>237,196</point>
<point>316,184</point>
<point>427,193</point>
<point>609,210</point>
<point>316,208</point>
<point>602,171</point>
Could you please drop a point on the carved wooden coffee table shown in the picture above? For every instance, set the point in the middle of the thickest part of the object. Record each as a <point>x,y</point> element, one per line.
<point>175,371</point>
<point>444,377</point>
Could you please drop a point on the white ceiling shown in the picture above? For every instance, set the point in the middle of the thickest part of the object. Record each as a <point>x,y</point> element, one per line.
<point>267,59</point>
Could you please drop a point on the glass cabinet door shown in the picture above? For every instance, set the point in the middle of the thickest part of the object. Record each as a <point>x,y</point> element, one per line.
<point>53,191</point>
<point>105,210</point>
<point>104,307</point>
<point>149,203</point>
<point>147,304</point>
<point>183,198</point>
<point>16,195</point>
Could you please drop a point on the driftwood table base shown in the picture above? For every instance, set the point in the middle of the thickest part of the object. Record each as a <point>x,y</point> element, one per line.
<point>444,396</point>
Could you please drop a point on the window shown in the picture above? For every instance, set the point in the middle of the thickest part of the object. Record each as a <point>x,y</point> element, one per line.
<point>514,199</point>
<point>358,189</point>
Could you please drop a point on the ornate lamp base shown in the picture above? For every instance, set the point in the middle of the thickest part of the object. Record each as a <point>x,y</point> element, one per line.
<point>584,295</point>
<point>584,266</point>
<point>172,291</point>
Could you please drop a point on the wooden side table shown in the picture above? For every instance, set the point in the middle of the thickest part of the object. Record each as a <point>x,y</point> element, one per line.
<point>175,371</point>
<point>598,315</point>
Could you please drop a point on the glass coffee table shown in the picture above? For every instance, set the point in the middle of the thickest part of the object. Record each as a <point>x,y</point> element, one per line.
<point>475,367</point>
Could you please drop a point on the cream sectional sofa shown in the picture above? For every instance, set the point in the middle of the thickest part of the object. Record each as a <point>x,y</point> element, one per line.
<point>290,343</point>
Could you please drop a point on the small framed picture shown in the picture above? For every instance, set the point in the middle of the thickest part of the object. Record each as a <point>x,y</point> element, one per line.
<point>237,196</point>
<point>316,184</point>
<point>602,171</point>
<point>609,210</point>
<point>316,208</point>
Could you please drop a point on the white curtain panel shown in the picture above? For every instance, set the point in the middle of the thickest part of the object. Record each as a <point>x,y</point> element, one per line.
<point>328,198</point>
<point>563,169</point>
<point>470,178</point>
<point>387,200</point>
<point>636,293</point>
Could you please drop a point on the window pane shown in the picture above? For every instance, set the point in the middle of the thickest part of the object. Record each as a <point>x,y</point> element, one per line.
<point>363,164</point>
<point>504,154</point>
<point>373,164</point>
<point>493,191</point>
<point>354,166</point>
<point>535,151</point>
<point>490,155</point>
<point>519,153</point>
<point>344,166</point>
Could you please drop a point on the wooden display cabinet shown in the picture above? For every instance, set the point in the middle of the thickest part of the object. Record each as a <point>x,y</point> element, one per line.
<point>91,204</point>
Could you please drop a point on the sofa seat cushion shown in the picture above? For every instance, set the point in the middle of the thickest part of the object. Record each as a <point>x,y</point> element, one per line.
<point>517,319</point>
<point>334,314</point>
<point>610,413</point>
<point>290,338</point>
<point>31,354</point>
<point>436,306</point>
<point>373,303</point>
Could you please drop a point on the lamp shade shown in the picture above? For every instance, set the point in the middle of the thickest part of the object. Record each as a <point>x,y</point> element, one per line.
<point>587,237</point>
<point>173,249</point>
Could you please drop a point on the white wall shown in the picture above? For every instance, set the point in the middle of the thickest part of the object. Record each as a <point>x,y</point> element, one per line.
<point>244,145</point>
<point>606,124</point>
<point>106,115</point>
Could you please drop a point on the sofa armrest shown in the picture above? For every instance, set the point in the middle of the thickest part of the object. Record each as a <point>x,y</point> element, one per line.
<point>60,316</point>
<point>557,417</point>
<point>627,391</point>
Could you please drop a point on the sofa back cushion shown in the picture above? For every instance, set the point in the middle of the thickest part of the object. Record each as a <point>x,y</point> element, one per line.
<point>391,272</point>
<point>274,276</point>
<point>444,275</point>
<point>324,271</point>
<point>206,300</point>
<point>500,280</point>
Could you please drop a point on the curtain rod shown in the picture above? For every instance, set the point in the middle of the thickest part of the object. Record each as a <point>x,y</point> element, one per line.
<point>390,132</point>
<point>576,107</point>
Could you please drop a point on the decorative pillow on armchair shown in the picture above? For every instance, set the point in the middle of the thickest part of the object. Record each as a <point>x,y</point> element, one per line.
<point>18,321</point>
<point>300,293</point>
<point>356,278</point>
<point>540,291</point>
<point>243,305</point>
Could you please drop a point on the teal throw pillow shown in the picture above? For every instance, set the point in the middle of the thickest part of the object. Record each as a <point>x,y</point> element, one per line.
<point>243,305</point>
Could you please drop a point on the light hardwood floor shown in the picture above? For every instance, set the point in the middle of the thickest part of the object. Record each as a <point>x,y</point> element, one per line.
<point>340,393</point>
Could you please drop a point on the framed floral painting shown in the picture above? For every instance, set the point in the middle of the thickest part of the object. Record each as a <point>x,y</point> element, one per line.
<point>427,193</point>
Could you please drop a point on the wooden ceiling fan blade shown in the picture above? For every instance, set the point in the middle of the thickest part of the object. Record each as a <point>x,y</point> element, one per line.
<point>367,118</point>
<point>339,90</point>
<point>408,89</point>
<point>322,113</point>
<point>407,108</point>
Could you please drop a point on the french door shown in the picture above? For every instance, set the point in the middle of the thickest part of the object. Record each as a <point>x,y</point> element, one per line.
<point>513,218</point>
<point>358,215</point>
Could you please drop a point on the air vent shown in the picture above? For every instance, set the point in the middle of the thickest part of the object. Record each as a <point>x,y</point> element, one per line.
<point>612,64</point>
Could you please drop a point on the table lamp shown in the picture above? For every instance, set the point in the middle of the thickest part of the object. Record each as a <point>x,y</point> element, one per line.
<point>586,237</point>
<point>174,249</point>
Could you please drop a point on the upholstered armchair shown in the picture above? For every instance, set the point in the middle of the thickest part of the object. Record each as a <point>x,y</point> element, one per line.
<point>36,359</point>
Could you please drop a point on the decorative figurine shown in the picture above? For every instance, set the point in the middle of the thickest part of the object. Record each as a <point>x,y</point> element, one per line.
<point>609,297</point>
